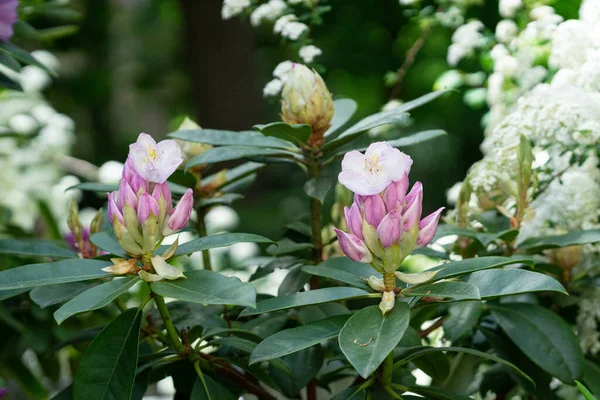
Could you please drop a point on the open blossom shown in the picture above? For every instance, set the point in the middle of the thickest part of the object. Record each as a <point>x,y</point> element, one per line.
<point>8,17</point>
<point>289,27</point>
<point>267,12</point>
<point>231,8</point>
<point>383,228</point>
<point>155,162</point>
<point>372,172</point>
<point>508,8</point>
<point>308,53</point>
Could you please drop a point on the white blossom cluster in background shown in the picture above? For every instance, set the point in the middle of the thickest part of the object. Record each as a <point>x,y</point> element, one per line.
<point>284,18</point>
<point>34,140</point>
<point>545,85</point>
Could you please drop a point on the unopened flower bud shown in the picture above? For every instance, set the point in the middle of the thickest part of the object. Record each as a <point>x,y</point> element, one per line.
<point>374,209</point>
<point>180,215</point>
<point>412,211</point>
<point>387,302</point>
<point>147,205</point>
<point>428,227</point>
<point>353,247</point>
<point>96,225</point>
<point>306,100</point>
<point>354,220</point>
<point>395,193</point>
<point>73,220</point>
<point>566,257</point>
<point>390,229</point>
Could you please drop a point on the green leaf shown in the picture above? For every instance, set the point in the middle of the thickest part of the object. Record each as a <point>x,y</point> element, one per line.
<point>235,174</point>
<point>416,352</point>
<point>337,274</point>
<point>462,317</point>
<point>351,393</point>
<point>216,391</point>
<point>295,339</point>
<point>286,246</point>
<point>108,366</point>
<point>413,139</point>
<point>73,270</point>
<point>362,270</point>
<point>436,365</point>
<point>57,32</point>
<point>229,138</point>
<point>397,115</point>
<point>106,240</point>
<point>293,282</point>
<point>315,313</point>
<point>9,83</point>
<point>536,244</point>
<point>482,237</point>
<point>317,188</point>
<point>227,153</point>
<point>591,376</point>
<point>9,62</point>
<point>343,110</point>
<point>49,295</point>
<point>506,282</point>
<point>95,187</point>
<point>302,366</point>
<point>437,394</point>
<point>226,198</point>
<point>467,266</point>
<point>299,133</point>
<point>95,298</point>
<point>208,287</point>
<point>34,248</point>
<point>214,241</point>
<point>23,56</point>
<point>586,393</point>
<point>368,337</point>
<point>304,299</point>
<point>543,336</point>
<point>454,290</point>
<point>7,294</point>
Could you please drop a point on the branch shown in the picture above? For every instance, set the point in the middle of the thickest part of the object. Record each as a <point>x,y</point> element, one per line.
<point>409,60</point>
<point>432,328</point>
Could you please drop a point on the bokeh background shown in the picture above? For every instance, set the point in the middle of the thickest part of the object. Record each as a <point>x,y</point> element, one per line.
<point>143,65</point>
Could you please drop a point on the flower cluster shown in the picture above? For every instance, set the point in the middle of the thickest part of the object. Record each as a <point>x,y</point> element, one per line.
<point>384,223</point>
<point>141,211</point>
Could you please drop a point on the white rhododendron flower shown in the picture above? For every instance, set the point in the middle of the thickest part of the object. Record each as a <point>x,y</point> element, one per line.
<point>155,162</point>
<point>370,173</point>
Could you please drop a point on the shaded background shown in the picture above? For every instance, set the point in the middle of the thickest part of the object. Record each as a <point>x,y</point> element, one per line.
<point>142,65</point>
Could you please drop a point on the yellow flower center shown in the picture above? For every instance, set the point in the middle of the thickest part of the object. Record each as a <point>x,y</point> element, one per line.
<point>372,165</point>
<point>152,154</point>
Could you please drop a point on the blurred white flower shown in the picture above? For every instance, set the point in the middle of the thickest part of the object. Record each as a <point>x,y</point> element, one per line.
<point>495,84</point>
<point>240,252</point>
<point>47,59</point>
<point>450,79</point>
<point>23,124</point>
<point>221,218</point>
<point>507,65</point>
<point>452,193</point>
<point>231,8</point>
<point>464,40</point>
<point>267,12</point>
<point>283,70</point>
<point>508,8</point>
<point>570,43</point>
<point>110,172</point>
<point>506,30</point>
<point>541,12</point>
<point>288,27</point>
<point>272,88</point>
<point>33,79</point>
<point>308,53</point>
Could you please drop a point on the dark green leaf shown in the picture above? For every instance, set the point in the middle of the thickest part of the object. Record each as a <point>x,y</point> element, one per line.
<point>315,313</point>
<point>227,153</point>
<point>543,336</point>
<point>343,110</point>
<point>368,337</point>
<point>293,282</point>
<point>302,366</point>
<point>352,393</point>
<point>463,267</point>
<point>286,246</point>
<point>337,274</point>
<point>207,287</point>
<point>7,294</point>
<point>230,138</point>
<point>214,241</point>
<point>362,270</point>
<point>299,133</point>
<point>9,62</point>
<point>436,365</point>
<point>536,244</point>
<point>9,83</point>
<point>317,188</point>
<point>591,376</point>
<point>95,187</point>
<point>454,290</point>
<point>506,282</point>
<point>462,317</point>
<point>49,295</point>
<point>34,248</point>
<point>95,298</point>
<point>482,237</point>
<point>291,340</point>
<point>216,391</point>
<point>266,325</point>
<point>226,198</point>
<point>437,394</point>
<point>106,240</point>
<point>107,369</point>
<point>31,275</point>
<point>23,56</point>
<point>304,299</point>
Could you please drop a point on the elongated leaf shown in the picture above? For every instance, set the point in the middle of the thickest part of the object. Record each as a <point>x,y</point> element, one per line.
<point>214,241</point>
<point>49,295</point>
<point>463,267</point>
<point>286,246</point>
<point>536,244</point>
<point>34,248</point>
<point>484,238</point>
<point>397,115</point>
<point>31,275</point>
<point>291,340</point>
<point>9,83</point>
<point>227,153</point>
<point>343,110</point>
<point>362,270</point>
<point>506,282</point>
<point>368,337</point>
<point>591,376</point>
<point>95,298</point>
<point>462,317</point>
<point>229,138</point>
<point>420,351</point>
<point>95,187</point>
<point>207,287</point>
<point>9,62</point>
<point>586,393</point>
<point>337,274</point>
<point>7,294</point>
<point>543,336</point>
<point>226,198</point>
<point>317,188</point>
<point>304,299</point>
<point>298,133</point>
<point>434,393</point>
<point>23,56</point>
<point>107,368</point>
<point>107,241</point>
<point>216,391</point>
<point>417,138</point>
<point>234,174</point>
<point>454,290</point>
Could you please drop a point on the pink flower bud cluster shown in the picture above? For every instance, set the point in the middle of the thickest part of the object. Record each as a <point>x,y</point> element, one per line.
<point>383,228</point>
<point>141,211</point>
